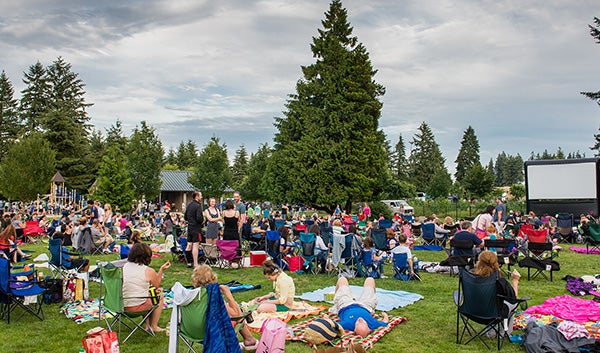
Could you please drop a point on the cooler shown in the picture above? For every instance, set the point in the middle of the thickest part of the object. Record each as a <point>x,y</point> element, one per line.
<point>257,258</point>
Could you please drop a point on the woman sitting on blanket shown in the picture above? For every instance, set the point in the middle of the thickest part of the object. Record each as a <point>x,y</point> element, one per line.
<point>202,276</point>
<point>357,315</point>
<point>282,299</point>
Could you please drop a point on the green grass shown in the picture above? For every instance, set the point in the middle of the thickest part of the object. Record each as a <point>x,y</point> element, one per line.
<point>430,326</point>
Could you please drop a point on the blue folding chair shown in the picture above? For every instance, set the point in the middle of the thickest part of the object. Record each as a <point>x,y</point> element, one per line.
<point>14,290</point>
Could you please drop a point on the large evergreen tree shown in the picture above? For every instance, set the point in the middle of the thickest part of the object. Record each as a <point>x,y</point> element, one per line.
<point>399,162</point>
<point>212,175</point>
<point>239,168</point>
<point>186,155</point>
<point>425,158</point>
<point>34,98</point>
<point>468,155</point>
<point>114,180</point>
<point>328,149</point>
<point>144,154</point>
<point>478,182</point>
<point>9,118</point>
<point>115,136</point>
<point>255,186</point>
<point>27,169</point>
<point>595,33</point>
<point>508,169</point>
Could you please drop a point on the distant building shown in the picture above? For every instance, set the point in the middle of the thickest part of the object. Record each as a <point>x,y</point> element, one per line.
<point>176,188</point>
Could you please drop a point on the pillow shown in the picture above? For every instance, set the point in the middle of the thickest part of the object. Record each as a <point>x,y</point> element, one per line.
<point>322,330</point>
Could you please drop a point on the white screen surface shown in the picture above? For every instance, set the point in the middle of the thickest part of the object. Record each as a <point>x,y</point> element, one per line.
<point>562,181</point>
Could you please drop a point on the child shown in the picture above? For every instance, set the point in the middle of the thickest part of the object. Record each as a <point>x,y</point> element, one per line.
<point>491,235</point>
<point>403,248</point>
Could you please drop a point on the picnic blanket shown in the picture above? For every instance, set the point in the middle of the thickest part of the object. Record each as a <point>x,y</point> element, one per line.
<point>82,311</point>
<point>567,307</point>
<point>582,250</point>
<point>386,299</point>
<point>300,310</point>
<point>349,337</point>
<point>522,319</point>
<point>428,247</point>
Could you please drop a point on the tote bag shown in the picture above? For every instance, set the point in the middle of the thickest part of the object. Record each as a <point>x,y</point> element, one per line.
<point>272,339</point>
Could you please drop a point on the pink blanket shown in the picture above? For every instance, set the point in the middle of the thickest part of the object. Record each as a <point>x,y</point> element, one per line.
<point>568,308</point>
<point>584,250</point>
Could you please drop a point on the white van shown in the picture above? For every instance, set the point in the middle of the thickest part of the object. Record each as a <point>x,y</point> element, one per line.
<point>400,206</point>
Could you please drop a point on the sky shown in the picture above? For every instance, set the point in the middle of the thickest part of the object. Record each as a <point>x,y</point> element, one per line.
<point>195,69</point>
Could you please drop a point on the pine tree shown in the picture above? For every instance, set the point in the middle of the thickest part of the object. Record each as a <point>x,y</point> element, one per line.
<point>400,164</point>
<point>478,182</point>
<point>186,155</point>
<point>425,158</point>
<point>114,181</point>
<point>212,175</point>
<point>255,186</point>
<point>64,123</point>
<point>10,128</point>
<point>239,169</point>
<point>27,168</point>
<point>34,98</point>
<point>114,136</point>
<point>440,184</point>
<point>468,155</point>
<point>145,154</point>
<point>596,146</point>
<point>328,149</point>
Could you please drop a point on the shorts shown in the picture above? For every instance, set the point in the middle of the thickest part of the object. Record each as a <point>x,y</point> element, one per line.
<point>101,241</point>
<point>344,297</point>
<point>193,237</point>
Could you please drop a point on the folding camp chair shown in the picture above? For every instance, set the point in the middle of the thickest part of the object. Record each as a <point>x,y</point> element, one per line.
<point>367,266</point>
<point>16,289</point>
<point>379,237</point>
<point>307,246</point>
<point>428,233</point>
<point>273,248</point>
<point>592,237</point>
<point>55,265</point>
<point>402,268</point>
<point>385,223</point>
<point>112,301</point>
<point>192,316</point>
<point>506,256</point>
<point>211,254</point>
<point>564,223</point>
<point>460,255</point>
<point>478,303</point>
<point>344,255</point>
<point>229,254</point>
<point>539,255</point>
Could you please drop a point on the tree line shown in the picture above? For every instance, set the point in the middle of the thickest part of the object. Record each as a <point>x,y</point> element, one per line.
<point>328,148</point>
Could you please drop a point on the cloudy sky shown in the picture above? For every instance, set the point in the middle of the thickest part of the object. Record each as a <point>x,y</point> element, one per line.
<point>193,69</point>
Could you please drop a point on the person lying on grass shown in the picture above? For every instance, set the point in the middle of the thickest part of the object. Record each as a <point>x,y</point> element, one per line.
<point>357,315</point>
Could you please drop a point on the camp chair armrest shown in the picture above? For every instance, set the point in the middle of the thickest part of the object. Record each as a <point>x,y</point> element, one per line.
<point>246,316</point>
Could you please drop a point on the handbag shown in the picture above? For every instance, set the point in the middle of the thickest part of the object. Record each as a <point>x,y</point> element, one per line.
<point>100,340</point>
<point>272,339</point>
<point>295,263</point>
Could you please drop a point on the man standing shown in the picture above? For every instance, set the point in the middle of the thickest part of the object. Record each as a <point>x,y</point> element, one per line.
<point>500,215</point>
<point>241,208</point>
<point>195,219</point>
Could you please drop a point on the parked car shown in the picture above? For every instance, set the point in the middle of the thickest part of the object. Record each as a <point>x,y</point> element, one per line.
<point>400,206</point>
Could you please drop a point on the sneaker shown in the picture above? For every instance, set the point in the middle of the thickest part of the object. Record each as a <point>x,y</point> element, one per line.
<point>384,276</point>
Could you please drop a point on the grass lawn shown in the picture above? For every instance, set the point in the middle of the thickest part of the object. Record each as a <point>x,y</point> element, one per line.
<point>430,326</point>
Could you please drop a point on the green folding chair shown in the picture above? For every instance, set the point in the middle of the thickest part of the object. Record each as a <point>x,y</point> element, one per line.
<point>112,301</point>
<point>592,238</point>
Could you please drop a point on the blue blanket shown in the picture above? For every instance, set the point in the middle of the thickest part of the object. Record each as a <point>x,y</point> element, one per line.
<point>428,247</point>
<point>387,299</point>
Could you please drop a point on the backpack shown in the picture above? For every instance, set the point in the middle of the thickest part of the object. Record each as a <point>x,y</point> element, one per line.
<point>322,330</point>
<point>272,339</point>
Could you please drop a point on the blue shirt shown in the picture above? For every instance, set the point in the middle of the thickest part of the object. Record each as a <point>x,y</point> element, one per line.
<point>349,314</point>
<point>464,235</point>
<point>500,207</point>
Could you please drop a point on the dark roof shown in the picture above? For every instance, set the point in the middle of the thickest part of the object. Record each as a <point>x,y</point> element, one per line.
<point>175,180</point>
<point>57,178</point>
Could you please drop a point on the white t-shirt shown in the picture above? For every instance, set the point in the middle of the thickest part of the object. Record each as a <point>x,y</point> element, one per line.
<point>402,249</point>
